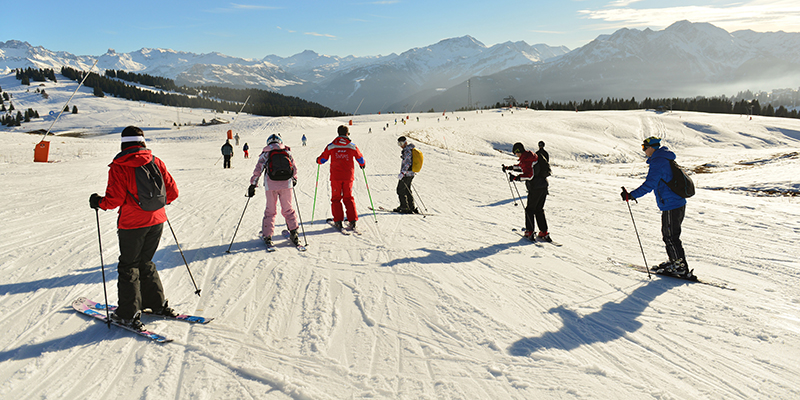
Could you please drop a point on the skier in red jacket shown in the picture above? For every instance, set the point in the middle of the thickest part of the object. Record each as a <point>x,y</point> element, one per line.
<point>139,231</point>
<point>341,152</point>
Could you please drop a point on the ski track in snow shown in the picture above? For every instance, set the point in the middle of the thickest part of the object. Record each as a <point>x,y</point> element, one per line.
<point>452,305</point>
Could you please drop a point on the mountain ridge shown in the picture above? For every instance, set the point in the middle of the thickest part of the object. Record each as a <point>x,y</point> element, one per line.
<point>683,59</point>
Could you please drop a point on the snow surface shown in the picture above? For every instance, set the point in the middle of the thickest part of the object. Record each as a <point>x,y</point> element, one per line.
<point>449,306</point>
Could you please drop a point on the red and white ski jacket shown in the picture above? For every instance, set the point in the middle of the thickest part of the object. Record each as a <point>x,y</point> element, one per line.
<point>341,152</point>
<point>526,162</point>
<point>121,189</point>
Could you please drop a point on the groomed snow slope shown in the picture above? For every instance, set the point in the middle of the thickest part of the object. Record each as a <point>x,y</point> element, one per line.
<point>449,306</point>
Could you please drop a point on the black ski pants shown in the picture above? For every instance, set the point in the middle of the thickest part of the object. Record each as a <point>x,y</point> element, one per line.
<point>671,221</point>
<point>534,210</point>
<point>226,162</point>
<point>404,193</point>
<point>139,285</point>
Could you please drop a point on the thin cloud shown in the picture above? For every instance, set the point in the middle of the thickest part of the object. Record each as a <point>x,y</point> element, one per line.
<point>252,7</point>
<point>234,7</point>
<point>320,35</point>
<point>761,15</point>
<point>622,3</point>
<point>325,35</point>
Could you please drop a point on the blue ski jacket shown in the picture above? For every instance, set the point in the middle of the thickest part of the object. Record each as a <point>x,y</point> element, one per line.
<point>658,175</point>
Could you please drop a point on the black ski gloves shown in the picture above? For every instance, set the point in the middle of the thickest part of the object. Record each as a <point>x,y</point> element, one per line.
<point>513,177</point>
<point>294,182</point>
<point>251,191</point>
<point>94,200</point>
<point>625,195</point>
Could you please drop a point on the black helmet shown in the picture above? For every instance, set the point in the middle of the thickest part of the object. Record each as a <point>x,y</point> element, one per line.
<point>518,148</point>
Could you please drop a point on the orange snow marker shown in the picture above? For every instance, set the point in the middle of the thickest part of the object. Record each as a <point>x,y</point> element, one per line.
<point>41,151</point>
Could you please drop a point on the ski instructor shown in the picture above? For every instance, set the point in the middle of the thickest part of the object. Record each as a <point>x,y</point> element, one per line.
<point>139,230</point>
<point>672,206</point>
<point>341,152</point>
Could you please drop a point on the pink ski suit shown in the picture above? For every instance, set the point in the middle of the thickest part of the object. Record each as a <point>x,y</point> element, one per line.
<point>275,191</point>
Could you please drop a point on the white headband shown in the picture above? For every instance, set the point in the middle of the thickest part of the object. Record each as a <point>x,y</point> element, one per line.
<point>137,138</point>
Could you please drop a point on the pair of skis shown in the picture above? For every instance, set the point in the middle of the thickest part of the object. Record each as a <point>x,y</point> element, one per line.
<point>536,240</point>
<point>386,210</point>
<point>344,230</point>
<point>692,278</point>
<point>286,235</point>
<point>98,311</point>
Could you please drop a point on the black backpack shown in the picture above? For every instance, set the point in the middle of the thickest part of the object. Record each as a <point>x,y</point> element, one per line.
<point>544,166</point>
<point>280,166</point>
<point>680,183</point>
<point>150,187</point>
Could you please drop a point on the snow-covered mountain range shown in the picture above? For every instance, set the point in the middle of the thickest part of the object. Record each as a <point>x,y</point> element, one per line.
<point>684,59</point>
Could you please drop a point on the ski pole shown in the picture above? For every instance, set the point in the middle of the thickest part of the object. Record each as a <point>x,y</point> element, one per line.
<point>305,239</point>
<point>628,202</point>
<point>418,198</point>
<point>524,208</point>
<point>509,188</point>
<point>102,266</point>
<point>314,205</point>
<point>370,195</point>
<point>197,291</point>
<point>220,158</point>
<point>237,226</point>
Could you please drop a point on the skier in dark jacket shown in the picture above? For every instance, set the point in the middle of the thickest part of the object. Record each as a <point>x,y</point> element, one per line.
<point>672,206</point>
<point>536,183</point>
<point>405,178</point>
<point>139,230</point>
<point>227,153</point>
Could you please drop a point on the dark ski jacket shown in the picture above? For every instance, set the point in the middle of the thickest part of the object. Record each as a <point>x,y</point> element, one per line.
<point>658,175</point>
<point>227,149</point>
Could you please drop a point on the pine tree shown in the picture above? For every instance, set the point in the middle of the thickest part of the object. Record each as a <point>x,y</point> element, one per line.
<point>66,108</point>
<point>74,109</point>
<point>98,92</point>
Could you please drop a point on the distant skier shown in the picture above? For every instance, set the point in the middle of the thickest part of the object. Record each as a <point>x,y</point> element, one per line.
<point>405,178</point>
<point>341,152</point>
<point>237,138</point>
<point>536,183</point>
<point>280,176</point>
<point>227,153</point>
<point>304,140</point>
<point>542,153</point>
<point>246,150</point>
<point>672,206</point>
<point>138,230</point>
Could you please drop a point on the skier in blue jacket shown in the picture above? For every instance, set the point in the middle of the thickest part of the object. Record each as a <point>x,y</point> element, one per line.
<point>672,206</point>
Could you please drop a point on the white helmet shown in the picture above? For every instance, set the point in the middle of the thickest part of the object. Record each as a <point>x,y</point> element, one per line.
<point>274,138</point>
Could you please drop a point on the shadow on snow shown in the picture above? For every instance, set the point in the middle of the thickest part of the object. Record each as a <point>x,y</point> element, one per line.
<point>611,322</point>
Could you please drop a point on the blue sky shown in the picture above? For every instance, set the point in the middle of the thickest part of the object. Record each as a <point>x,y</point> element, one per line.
<point>256,28</point>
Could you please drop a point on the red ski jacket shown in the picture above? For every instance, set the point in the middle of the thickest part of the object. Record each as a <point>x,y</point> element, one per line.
<point>526,162</point>
<point>121,189</point>
<point>341,152</point>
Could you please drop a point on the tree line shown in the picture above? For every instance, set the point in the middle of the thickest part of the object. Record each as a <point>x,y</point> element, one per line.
<point>220,99</point>
<point>717,105</point>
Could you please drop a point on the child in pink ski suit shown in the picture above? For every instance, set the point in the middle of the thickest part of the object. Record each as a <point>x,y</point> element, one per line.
<point>275,191</point>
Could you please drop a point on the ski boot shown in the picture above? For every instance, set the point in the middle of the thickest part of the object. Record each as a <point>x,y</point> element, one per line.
<point>293,237</point>
<point>134,323</point>
<point>165,310</point>
<point>544,237</point>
